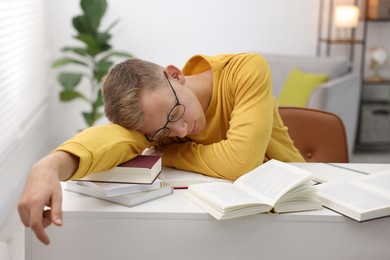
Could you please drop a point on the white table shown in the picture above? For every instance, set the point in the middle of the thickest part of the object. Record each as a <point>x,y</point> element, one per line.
<point>174,228</point>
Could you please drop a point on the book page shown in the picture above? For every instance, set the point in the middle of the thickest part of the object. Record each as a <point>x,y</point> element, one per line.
<point>324,172</point>
<point>271,180</point>
<point>224,196</point>
<point>114,189</point>
<point>352,196</point>
<point>378,183</point>
<point>181,179</point>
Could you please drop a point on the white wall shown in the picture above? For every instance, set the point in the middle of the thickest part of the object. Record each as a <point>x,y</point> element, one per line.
<point>23,106</point>
<point>170,31</point>
<point>13,173</point>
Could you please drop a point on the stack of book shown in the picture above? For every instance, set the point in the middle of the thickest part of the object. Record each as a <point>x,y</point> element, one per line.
<point>129,184</point>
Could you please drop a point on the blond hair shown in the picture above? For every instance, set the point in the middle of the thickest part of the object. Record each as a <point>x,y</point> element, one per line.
<point>122,89</point>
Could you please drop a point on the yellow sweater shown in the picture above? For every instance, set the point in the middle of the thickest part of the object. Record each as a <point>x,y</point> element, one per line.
<point>243,126</point>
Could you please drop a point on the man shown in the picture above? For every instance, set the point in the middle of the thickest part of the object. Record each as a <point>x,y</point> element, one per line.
<point>217,116</point>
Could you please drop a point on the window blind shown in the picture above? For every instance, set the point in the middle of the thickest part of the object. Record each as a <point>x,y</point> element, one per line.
<point>23,68</point>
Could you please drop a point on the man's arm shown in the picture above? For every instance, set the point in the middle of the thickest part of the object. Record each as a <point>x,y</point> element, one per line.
<point>101,148</point>
<point>93,150</point>
<point>41,200</point>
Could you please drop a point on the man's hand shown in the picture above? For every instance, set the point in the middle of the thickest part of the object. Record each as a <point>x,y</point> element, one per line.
<point>41,200</point>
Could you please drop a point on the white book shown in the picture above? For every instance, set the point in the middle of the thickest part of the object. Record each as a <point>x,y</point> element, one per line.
<point>182,179</point>
<point>125,199</point>
<point>361,199</point>
<point>114,189</point>
<point>272,187</point>
<point>330,172</point>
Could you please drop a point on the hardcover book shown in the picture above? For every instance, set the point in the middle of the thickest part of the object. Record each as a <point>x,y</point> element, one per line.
<point>141,169</point>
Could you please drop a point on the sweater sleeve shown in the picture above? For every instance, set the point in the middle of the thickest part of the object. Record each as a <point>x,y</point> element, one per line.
<point>247,86</point>
<point>103,147</point>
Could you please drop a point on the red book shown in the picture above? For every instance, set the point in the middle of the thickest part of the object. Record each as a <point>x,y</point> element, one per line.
<point>141,169</point>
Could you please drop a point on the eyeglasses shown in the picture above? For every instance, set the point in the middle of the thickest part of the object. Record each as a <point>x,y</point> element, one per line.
<point>175,114</point>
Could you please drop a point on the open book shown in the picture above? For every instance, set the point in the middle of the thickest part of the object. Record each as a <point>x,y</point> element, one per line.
<point>362,199</point>
<point>272,187</point>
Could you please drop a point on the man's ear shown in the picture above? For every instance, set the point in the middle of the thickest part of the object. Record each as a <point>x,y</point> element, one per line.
<point>175,73</point>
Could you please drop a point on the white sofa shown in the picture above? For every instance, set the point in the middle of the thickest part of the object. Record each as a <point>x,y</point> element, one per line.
<point>339,95</point>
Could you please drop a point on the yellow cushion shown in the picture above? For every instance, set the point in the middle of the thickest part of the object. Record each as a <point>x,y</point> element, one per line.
<point>298,86</point>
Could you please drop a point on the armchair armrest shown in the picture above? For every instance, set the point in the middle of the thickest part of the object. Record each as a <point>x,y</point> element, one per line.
<point>340,96</point>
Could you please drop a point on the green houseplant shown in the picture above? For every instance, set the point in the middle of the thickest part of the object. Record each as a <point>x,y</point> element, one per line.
<point>90,62</point>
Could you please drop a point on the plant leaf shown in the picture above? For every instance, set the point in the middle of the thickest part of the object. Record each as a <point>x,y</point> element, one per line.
<point>90,118</point>
<point>95,45</point>
<point>76,50</point>
<point>116,53</point>
<point>69,95</point>
<point>94,11</point>
<point>86,38</point>
<point>104,47</point>
<point>69,80</point>
<point>102,38</point>
<point>112,25</point>
<point>99,75</point>
<point>65,61</point>
<point>99,100</point>
<point>80,23</point>
<point>102,67</point>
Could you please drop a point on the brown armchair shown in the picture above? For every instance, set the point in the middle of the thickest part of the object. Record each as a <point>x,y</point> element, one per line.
<point>319,135</point>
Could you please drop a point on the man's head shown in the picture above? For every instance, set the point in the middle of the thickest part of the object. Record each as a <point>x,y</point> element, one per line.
<point>122,89</point>
<point>143,96</point>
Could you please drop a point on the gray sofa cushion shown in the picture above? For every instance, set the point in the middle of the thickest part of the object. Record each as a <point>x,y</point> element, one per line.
<point>281,66</point>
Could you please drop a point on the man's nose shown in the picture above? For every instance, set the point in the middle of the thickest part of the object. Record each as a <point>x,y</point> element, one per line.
<point>179,128</point>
